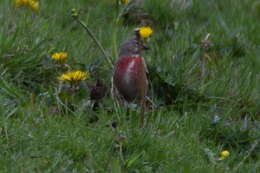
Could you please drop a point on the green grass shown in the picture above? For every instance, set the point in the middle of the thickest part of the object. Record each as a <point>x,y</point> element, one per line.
<point>42,130</point>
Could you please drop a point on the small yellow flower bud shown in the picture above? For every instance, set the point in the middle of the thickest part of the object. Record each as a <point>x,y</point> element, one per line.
<point>224,154</point>
<point>74,12</point>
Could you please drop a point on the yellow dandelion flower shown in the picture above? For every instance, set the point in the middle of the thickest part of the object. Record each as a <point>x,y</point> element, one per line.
<point>145,32</point>
<point>34,5</point>
<point>224,154</point>
<point>125,1</point>
<point>60,57</point>
<point>20,3</point>
<point>74,76</point>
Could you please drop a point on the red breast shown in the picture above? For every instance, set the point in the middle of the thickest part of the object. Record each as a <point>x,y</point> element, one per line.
<point>130,78</point>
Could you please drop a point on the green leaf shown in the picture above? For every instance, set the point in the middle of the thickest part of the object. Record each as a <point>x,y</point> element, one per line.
<point>131,161</point>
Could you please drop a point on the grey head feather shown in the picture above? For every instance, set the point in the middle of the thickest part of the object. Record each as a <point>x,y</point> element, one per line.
<point>133,46</point>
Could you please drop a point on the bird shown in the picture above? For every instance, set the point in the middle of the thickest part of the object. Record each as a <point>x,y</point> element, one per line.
<point>97,93</point>
<point>130,72</point>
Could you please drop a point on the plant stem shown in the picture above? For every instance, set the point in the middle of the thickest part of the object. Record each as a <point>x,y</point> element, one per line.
<point>108,58</point>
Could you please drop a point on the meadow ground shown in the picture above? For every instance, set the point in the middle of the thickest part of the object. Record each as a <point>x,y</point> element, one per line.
<point>207,92</point>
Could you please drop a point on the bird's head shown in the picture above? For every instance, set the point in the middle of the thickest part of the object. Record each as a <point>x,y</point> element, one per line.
<point>133,46</point>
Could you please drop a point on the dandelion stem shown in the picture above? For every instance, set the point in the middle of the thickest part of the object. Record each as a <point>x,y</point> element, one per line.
<point>117,6</point>
<point>95,40</point>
